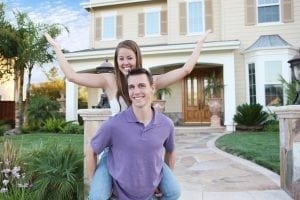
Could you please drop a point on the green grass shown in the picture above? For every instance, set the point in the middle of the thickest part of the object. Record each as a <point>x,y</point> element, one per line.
<point>28,142</point>
<point>259,147</point>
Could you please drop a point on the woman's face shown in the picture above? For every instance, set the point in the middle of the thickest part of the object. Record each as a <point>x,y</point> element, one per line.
<point>126,60</point>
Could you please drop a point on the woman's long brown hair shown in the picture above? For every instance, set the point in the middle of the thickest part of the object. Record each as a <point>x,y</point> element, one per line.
<point>120,77</point>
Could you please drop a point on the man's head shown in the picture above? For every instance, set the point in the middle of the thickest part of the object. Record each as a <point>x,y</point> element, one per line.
<point>140,87</point>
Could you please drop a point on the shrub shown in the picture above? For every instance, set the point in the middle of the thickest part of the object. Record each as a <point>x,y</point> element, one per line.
<point>250,116</point>
<point>41,108</point>
<point>13,183</point>
<point>271,126</point>
<point>4,128</point>
<point>72,129</point>
<point>54,125</point>
<point>57,172</point>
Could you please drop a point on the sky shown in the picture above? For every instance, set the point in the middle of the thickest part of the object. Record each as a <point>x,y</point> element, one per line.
<point>67,12</point>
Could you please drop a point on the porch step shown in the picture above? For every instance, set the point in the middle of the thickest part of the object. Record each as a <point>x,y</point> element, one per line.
<point>198,129</point>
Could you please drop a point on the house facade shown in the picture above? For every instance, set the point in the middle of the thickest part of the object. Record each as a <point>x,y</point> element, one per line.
<point>251,42</point>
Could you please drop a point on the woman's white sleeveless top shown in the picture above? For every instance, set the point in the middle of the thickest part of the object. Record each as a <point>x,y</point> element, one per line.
<point>116,107</point>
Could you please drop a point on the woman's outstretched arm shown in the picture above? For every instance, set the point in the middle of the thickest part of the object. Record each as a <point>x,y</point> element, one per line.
<point>84,79</point>
<point>164,80</point>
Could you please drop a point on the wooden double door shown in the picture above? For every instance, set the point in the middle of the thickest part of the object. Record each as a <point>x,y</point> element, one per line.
<point>195,107</point>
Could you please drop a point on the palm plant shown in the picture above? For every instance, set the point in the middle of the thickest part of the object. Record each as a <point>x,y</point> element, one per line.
<point>250,116</point>
<point>213,86</point>
<point>56,172</point>
<point>290,90</point>
<point>161,93</point>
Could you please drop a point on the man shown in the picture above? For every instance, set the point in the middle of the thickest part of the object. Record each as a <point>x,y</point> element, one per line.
<point>137,138</point>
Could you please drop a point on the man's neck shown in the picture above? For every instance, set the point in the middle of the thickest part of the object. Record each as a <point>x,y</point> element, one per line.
<point>143,115</point>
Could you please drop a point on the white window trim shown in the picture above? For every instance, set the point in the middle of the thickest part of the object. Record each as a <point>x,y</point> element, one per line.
<point>203,17</point>
<point>259,57</point>
<point>275,81</point>
<point>268,23</point>
<point>109,14</point>
<point>152,10</point>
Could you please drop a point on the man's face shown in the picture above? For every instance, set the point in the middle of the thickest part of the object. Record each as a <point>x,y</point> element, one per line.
<point>140,90</point>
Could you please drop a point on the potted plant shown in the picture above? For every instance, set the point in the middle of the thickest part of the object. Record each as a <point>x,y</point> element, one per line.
<point>212,91</point>
<point>159,101</point>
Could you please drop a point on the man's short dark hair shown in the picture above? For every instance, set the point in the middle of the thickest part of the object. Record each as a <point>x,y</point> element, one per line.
<point>138,71</point>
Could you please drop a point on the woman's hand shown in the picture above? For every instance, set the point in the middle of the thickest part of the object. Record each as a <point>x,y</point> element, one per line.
<point>52,41</point>
<point>204,36</point>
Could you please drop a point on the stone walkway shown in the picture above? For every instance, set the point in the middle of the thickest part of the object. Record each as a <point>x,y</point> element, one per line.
<point>206,173</point>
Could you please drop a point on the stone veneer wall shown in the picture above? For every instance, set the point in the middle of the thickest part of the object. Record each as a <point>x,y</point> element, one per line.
<point>289,123</point>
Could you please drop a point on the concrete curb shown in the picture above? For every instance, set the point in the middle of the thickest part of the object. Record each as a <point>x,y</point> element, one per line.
<point>266,172</point>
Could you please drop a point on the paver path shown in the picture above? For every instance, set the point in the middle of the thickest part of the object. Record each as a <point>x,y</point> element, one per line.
<point>206,173</point>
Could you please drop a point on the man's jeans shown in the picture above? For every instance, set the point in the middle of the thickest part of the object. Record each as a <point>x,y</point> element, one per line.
<point>101,186</point>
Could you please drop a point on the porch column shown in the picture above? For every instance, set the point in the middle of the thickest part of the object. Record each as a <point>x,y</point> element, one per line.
<point>93,119</point>
<point>71,101</point>
<point>289,123</point>
<point>229,93</point>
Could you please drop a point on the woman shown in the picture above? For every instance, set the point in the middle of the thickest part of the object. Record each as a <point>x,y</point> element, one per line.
<point>127,56</point>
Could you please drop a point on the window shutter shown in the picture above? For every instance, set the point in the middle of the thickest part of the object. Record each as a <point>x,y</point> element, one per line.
<point>163,22</point>
<point>250,12</point>
<point>182,18</point>
<point>98,28</point>
<point>208,15</point>
<point>287,11</point>
<point>141,24</point>
<point>119,26</point>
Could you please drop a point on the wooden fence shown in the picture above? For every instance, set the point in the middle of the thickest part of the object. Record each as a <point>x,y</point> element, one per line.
<point>7,111</point>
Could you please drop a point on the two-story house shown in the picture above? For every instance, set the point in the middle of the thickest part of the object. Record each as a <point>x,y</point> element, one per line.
<point>251,42</point>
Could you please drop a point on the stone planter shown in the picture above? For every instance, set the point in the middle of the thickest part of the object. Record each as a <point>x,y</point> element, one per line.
<point>215,105</point>
<point>159,105</point>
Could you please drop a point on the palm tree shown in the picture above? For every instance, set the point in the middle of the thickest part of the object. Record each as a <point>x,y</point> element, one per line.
<point>25,44</point>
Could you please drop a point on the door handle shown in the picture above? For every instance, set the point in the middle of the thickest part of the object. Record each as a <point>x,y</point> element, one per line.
<point>199,105</point>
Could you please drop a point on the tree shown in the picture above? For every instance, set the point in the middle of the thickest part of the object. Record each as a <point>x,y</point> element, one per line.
<point>24,43</point>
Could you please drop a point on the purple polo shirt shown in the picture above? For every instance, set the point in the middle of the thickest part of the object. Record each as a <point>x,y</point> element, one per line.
<point>136,152</point>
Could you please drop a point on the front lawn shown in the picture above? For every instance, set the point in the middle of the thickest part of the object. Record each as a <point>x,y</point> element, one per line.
<point>259,147</point>
<point>28,142</point>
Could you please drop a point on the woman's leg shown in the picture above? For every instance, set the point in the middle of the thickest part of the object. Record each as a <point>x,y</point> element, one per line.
<point>101,185</point>
<point>169,185</point>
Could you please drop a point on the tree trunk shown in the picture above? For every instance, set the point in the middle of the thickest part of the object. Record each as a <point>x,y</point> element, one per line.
<point>19,109</point>
<point>27,101</point>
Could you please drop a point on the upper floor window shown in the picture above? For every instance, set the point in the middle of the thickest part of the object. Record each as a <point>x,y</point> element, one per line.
<point>268,11</point>
<point>195,15</point>
<point>108,27</point>
<point>152,24</point>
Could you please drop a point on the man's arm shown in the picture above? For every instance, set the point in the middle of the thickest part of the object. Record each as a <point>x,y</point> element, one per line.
<point>91,162</point>
<point>170,159</point>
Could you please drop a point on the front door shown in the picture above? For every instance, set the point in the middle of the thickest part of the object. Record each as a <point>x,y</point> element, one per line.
<point>195,107</point>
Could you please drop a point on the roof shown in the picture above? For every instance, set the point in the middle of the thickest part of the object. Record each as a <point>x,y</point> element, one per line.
<point>268,41</point>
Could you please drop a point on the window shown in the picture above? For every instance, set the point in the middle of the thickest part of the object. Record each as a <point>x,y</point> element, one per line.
<point>252,83</point>
<point>273,87</point>
<point>108,27</point>
<point>152,25</point>
<point>195,17</point>
<point>268,11</point>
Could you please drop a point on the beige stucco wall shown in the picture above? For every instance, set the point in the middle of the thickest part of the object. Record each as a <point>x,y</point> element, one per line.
<point>234,25</point>
<point>129,12</point>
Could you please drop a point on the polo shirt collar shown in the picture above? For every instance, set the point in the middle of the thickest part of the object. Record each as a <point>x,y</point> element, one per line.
<point>130,117</point>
